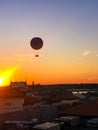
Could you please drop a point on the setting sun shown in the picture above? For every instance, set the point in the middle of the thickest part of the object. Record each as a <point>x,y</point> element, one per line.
<point>1,81</point>
<point>5,76</point>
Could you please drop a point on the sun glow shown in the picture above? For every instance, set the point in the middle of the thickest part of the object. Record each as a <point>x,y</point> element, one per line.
<point>6,75</point>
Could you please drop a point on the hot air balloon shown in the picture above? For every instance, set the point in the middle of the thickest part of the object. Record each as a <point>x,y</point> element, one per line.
<point>36,43</point>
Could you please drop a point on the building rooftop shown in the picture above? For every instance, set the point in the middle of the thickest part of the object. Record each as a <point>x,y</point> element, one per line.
<point>85,109</point>
<point>66,96</point>
<point>7,92</point>
<point>46,125</point>
<point>31,100</point>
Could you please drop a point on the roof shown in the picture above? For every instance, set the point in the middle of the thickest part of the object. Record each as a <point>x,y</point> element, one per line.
<point>62,107</point>
<point>93,120</point>
<point>85,109</point>
<point>66,96</point>
<point>46,125</point>
<point>31,100</point>
<point>7,92</point>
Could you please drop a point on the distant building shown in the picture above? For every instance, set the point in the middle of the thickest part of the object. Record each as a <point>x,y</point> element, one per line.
<point>20,84</point>
<point>87,109</point>
<point>67,98</point>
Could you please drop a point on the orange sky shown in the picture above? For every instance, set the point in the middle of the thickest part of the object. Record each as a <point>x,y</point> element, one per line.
<point>69,30</point>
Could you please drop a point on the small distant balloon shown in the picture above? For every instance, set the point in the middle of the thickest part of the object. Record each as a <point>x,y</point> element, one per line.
<point>36,43</point>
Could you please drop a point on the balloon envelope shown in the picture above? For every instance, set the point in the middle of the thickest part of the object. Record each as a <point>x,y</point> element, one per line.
<point>36,43</point>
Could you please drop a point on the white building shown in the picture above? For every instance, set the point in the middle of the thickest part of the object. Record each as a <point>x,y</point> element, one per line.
<point>11,100</point>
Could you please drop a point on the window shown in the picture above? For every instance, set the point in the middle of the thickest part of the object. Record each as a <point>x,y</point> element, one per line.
<point>7,103</point>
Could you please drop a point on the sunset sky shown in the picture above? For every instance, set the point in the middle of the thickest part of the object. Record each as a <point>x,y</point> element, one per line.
<point>69,29</point>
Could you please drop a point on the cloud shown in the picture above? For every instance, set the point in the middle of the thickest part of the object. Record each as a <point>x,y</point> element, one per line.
<point>86,53</point>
